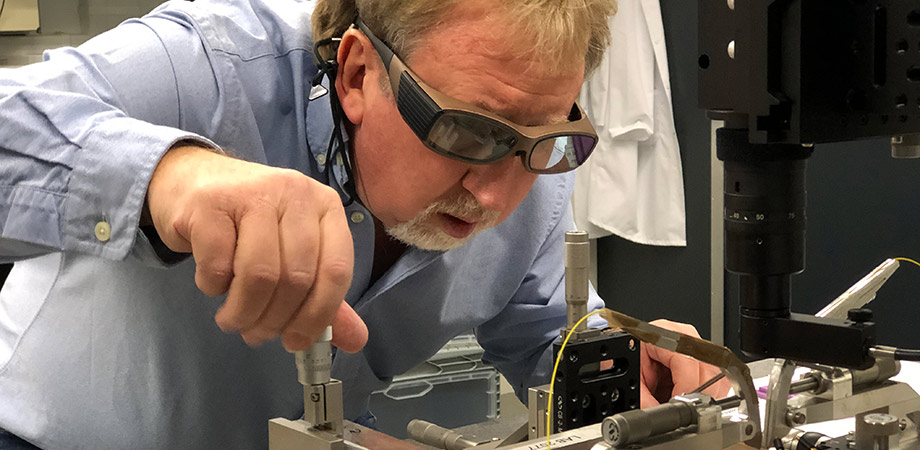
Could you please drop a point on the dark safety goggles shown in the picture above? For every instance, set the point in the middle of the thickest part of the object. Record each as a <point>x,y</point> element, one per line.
<point>464,132</point>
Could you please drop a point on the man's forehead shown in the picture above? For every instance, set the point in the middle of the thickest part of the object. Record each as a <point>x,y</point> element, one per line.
<point>477,62</point>
<point>500,88</point>
<point>474,58</point>
<point>521,118</point>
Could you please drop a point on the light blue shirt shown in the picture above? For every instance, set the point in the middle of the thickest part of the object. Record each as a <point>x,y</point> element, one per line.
<point>104,346</point>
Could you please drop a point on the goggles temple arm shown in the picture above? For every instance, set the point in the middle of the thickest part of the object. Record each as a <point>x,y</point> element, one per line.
<point>386,54</point>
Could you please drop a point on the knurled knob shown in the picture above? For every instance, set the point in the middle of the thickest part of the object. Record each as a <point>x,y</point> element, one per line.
<point>882,424</point>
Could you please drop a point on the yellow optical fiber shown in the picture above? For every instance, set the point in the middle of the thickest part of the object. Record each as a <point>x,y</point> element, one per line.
<point>908,260</point>
<point>552,381</point>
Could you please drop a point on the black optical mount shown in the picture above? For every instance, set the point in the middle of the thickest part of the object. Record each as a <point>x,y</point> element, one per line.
<point>585,394</point>
<point>785,75</point>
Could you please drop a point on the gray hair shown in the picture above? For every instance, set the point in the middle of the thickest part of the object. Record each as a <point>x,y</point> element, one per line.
<point>558,28</point>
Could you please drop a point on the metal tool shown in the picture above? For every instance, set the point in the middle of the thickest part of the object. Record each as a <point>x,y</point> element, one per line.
<point>430,434</point>
<point>322,425</point>
<point>577,265</point>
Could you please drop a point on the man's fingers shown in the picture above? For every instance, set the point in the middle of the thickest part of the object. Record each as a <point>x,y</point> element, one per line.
<point>333,278</point>
<point>213,245</point>
<point>349,332</point>
<point>686,373</point>
<point>646,399</point>
<point>721,388</point>
<point>233,216</point>
<point>299,247</point>
<point>256,267</point>
<point>648,375</point>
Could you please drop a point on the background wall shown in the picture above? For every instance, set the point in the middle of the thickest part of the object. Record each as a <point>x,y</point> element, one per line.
<point>69,23</point>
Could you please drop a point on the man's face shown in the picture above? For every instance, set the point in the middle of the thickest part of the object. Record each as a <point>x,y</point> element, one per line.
<point>431,201</point>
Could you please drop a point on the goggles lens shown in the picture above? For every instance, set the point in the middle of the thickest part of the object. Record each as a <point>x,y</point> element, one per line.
<point>478,139</point>
<point>561,153</point>
<point>472,138</point>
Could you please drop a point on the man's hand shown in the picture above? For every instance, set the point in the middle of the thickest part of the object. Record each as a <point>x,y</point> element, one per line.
<point>274,240</point>
<point>665,374</point>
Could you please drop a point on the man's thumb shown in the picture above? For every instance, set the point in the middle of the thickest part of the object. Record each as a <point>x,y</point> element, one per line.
<point>349,332</point>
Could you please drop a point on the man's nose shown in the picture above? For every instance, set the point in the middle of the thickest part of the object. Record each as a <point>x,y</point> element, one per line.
<point>495,185</point>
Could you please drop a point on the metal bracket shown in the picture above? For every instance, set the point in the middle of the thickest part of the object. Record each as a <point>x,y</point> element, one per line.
<point>284,434</point>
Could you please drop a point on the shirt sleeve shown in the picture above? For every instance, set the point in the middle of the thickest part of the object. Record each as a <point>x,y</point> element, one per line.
<point>518,340</point>
<point>81,133</point>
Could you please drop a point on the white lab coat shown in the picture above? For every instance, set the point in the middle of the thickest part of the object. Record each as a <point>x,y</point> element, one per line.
<point>632,185</point>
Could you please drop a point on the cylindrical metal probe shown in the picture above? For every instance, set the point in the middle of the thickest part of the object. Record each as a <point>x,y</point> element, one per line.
<point>628,427</point>
<point>577,265</point>
<point>430,434</point>
<point>314,366</point>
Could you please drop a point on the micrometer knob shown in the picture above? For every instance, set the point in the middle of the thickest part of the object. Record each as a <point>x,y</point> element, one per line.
<point>431,434</point>
<point>633,426</point>
<point>314,366</point>
<point>577,266</point>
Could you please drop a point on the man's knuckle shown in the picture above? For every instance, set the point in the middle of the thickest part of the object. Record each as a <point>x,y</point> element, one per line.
<point>212,196</point>
<point>300,278</point>
<point>338,271</point>
<point>290,180</point>
<point>261,276</point>
<point>327,195</point>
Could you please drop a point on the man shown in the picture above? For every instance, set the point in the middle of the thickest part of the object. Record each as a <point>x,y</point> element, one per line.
<point>116,170</point>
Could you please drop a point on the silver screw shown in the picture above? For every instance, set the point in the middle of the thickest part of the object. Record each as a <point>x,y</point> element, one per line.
<point>731,49</point>
<point>795,418</point>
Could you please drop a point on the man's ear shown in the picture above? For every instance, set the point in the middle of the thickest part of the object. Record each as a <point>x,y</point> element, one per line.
<point>353,54</point>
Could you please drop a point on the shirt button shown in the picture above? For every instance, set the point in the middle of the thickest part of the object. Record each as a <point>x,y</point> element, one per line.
<point>357,217</point>
<point>103,231</point>
<point>321,159</point>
